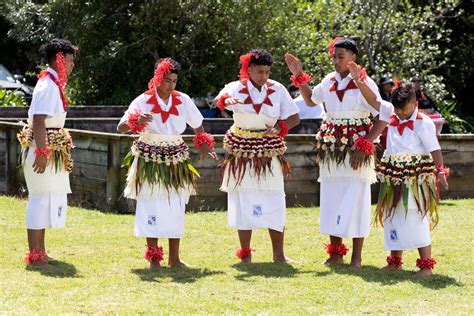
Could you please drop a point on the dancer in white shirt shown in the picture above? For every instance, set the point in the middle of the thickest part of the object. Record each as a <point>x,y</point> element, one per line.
<point>47,150</point>
<point>344,146</point>
<point>161,177</point>
<point>254,167</point>
<point>409,172</point>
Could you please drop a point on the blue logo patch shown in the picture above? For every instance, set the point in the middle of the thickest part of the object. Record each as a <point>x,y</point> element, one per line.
<point>60,211</point>
<point>257,210</point>
<point>338,219</point>
<point>152,220</point>
<point>393,235</point>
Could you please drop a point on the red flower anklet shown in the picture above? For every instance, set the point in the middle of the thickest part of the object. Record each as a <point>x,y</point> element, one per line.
<point>336,249</point>
<point>425,263</point>
<point>34,256</point>
<point>243,253</point>
<point>395,261</point>
<point>154,254</point>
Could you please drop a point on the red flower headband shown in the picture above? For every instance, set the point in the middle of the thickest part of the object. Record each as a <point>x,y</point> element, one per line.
<point>244,69</point>
<point>331,46</point>
<point>164,67</point>
<point>396,86</point>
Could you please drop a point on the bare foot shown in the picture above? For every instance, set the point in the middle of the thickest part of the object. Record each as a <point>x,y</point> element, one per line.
<point>390,267</point>
<point>178,264</point>
<point>246,260</point>
<point>356,263</point>
<point>48,258</point>
<point>334,259</point>
<point>425,272</point>
<point>155,265</point>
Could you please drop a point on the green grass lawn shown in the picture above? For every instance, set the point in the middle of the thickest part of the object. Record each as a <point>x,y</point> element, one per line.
<point>101,269</point>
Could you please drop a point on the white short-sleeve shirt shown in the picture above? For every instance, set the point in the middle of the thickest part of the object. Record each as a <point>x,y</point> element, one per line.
<point>46,97</point>
<point>282,105</point>
<point>421,140</point>
<point>188,113</point>
<point>353,99</point>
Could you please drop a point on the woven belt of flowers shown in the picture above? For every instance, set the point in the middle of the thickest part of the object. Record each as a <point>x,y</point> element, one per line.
<point>167,153</point>
<point>247,144</point>
<point>58,141</point>
<point>167,164</point>
<point>336,137</point>
<point>400,173</point>
<point>251,149</point>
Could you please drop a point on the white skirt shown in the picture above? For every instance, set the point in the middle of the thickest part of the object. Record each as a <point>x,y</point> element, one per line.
<point>407,231</point>
<point>256,203</point>
<point>47,195</point>
<point>160,215</point>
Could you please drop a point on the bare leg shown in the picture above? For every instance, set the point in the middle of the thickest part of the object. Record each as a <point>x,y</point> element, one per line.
<point>393,253</point>
<point>425,252</point>
<point>334,258</point>
<point>245,236</point>
<point>356,259</point>
<point>153,243</point>
<point>277,245</point>
<point>36,242</point>
<point>35,239</point>
<point>173,257</point>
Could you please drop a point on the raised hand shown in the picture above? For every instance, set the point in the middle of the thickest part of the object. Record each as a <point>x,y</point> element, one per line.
<point>355,70</point>
<point>294,64</point>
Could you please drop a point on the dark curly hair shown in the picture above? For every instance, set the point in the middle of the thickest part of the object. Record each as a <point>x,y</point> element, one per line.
<point>348,44</point>
<point>402,95</point>
<point>176,67</point>
<point>260,57</point>
<point>58,45</point>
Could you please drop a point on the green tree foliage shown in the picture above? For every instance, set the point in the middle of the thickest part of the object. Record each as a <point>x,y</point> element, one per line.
<point>120,41</point>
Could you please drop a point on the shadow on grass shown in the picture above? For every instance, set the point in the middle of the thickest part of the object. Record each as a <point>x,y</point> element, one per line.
<point>56,269</point>
<point>376,275</point>
<point>178,275</point>
<point>267,270</point>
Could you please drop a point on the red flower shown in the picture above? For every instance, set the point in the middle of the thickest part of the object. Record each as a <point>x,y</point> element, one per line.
<point>221,103</point>
<point>364,145</point>
<point>331,46</point>
<point>34,256</point>
<point>154,254</point>
<point>244,68</point>
<point>283,129</point>
<point>423,263</point>
<point>300,80</point>
<point>396,86</point>
<point>338,249</point>
<point>243,253</point>
<point>395,261</point>
<point>163,68</point>
<point>203,138</point>
<point>135,127</point>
